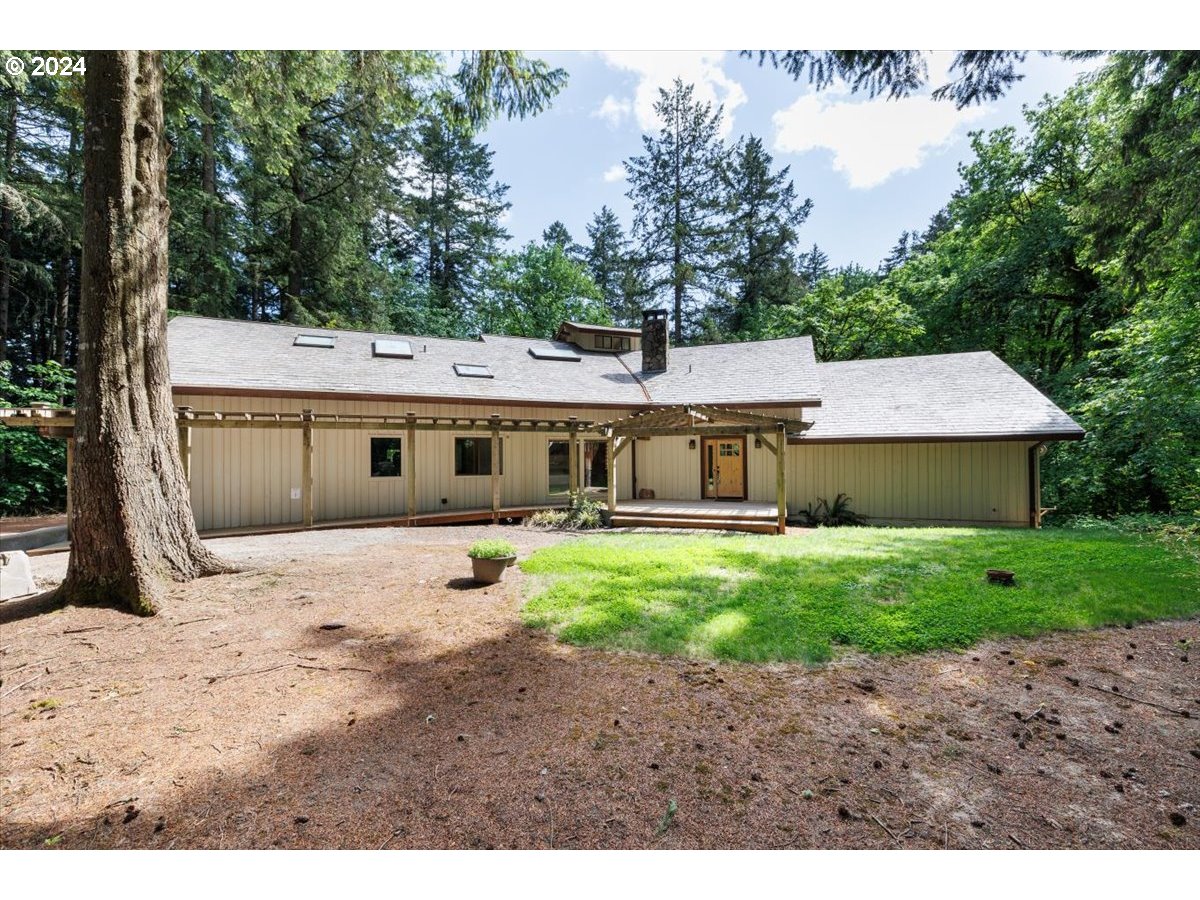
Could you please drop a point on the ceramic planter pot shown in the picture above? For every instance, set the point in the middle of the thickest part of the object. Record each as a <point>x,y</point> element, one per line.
<point>490,571</point>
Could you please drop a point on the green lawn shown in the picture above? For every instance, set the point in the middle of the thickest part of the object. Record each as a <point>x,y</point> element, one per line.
<point>882,590</point>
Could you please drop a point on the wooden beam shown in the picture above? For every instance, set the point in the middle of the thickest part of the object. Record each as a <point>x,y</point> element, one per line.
<point>621,447</point>
<point>781,478</point>
<point>495,475</point>
<point>612,475</point>
<point>410,471</point>
<point>766,441</point>
<point>306,467</point>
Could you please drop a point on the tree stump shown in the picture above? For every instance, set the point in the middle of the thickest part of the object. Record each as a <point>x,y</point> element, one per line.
<point>1001,576</point>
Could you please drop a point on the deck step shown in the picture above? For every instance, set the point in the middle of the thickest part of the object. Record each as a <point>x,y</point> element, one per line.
<point>721,515</point>
<point>756,526</point>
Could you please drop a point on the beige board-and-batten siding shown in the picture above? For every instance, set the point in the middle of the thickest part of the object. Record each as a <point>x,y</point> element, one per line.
<point>247,477</point>
<point>970,482</point>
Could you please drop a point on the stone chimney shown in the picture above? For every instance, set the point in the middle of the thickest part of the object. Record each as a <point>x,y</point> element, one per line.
<point>654,340</point>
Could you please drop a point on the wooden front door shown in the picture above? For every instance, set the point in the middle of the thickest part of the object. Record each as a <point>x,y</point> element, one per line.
<point>723,462</point>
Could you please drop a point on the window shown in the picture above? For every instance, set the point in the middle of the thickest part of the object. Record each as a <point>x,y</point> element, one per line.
<point>593,459</point>
<point>473,456</point>
<point>469,370</point>
<point>554,353</point>
<point>611,342</point>
<point>385,457</point>
<point>392,349</point>
<point>560,467</point>
<point>314,340</point>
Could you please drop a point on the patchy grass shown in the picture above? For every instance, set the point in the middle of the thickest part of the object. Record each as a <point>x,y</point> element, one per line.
<point>882,590</point>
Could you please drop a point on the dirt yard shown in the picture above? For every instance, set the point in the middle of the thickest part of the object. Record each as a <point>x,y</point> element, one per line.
<point>429,717</point>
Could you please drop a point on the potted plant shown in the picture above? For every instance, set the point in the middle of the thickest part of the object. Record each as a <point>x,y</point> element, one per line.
<point>490,558</point>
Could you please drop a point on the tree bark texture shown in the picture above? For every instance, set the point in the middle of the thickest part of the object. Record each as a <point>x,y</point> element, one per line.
<point>6,224</point>
<point>131,518</point>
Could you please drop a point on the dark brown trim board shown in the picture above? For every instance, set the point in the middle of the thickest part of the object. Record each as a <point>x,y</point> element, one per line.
<point>208,391</point>
<point>1040,437</point>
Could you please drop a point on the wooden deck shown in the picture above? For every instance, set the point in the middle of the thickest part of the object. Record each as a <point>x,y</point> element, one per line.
<point>449,517</point>
<point>723,515</point>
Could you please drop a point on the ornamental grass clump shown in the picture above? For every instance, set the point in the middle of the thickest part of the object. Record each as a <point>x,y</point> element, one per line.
<point>491,549</point>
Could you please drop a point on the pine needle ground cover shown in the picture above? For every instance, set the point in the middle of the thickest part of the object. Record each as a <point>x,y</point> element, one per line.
<point>881,590</point>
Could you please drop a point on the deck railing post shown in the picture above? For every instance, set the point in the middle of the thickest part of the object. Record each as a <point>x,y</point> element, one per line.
<point>306,460</point>
<point>781,476</point>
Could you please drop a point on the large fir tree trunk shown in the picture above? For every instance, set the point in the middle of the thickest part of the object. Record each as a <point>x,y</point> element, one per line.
<point>6,223</point>
<point>62,275</point>
<point>132,524</point>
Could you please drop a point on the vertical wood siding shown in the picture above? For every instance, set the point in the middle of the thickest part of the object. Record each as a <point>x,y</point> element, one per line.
<point>244,477</point>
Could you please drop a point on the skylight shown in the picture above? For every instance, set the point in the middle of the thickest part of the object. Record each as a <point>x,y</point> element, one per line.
<point>393,349</point>
<point>554,353</point>
<point>468,370</point>
<point>314,340</point>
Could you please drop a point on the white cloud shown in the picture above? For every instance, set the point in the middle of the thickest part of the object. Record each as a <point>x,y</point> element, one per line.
<point>615,173</point>
<point>872,140</point>
<point>657,69</point>
<point>613,111</point>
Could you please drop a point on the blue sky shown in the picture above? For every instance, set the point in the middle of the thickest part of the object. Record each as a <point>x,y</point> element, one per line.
<point>872,167</point>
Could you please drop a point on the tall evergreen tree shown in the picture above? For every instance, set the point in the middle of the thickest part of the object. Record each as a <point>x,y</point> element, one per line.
<point>676,189</point>
<point>764,214</point>
<point>558,235</point>
<point>613,268</point>
<point>450,216</point>
<point>812,267</point>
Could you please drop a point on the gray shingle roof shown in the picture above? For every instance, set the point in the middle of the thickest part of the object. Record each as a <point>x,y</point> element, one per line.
<point>241,355</point>
<point>779,371</point>
<point>955,395</point>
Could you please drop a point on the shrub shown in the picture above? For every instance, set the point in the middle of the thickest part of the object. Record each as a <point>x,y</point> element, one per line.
<point>831,515</point>
<point>582,514</point>
<point>491,549</point>
<point>34,467</point>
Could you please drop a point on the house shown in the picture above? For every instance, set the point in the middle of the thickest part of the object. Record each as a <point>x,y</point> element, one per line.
<point>284,425</point>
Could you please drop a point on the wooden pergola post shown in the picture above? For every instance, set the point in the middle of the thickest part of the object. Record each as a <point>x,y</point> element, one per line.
<point>185,443</point>
<point>781,476</point>
<point>612,474</point>
<point>495,468</point>
<point>306,467</point>
<point>574,475</point>
<point>410,467</point>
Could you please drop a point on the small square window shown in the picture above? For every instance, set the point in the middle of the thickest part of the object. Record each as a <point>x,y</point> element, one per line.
<point>470,370</point>
<point>314,340</point>
<point>385,457</point>
<point>473,456</point>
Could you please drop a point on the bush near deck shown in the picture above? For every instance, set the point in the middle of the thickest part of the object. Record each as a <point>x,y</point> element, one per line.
<point>882,590</point>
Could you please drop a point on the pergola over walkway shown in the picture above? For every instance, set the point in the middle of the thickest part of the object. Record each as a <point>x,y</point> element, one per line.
<point>703,420</point>
<point>56,422</point>
<point>683,420</point>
